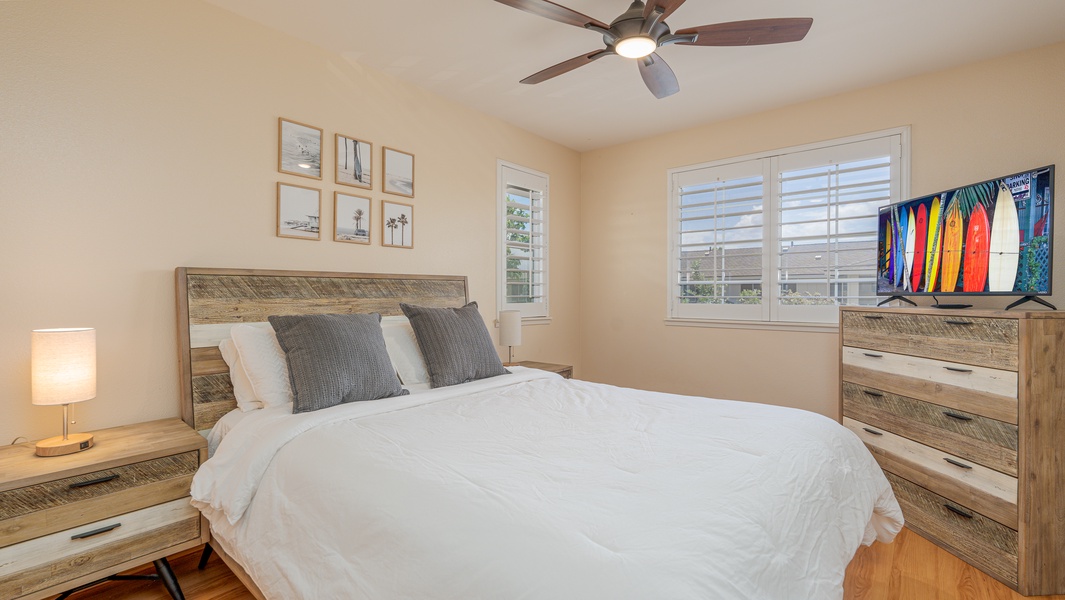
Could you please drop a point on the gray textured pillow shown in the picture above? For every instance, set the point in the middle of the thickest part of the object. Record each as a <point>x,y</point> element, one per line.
<point>334,359</point>
<point>455,344</point>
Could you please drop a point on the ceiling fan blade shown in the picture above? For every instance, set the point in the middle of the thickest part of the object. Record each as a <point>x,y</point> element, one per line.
<point>749,33</point>
<point>555,12</point>
<point>565,66</point>
<point>668,6</point>
<point>658,76</point>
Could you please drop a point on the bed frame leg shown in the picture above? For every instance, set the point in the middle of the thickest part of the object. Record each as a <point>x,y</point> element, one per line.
<point>166,575</point>
<point>207,549</point>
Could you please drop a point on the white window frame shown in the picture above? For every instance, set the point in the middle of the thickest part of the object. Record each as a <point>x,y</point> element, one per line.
<point>511,173</point>
<point>769,313</point>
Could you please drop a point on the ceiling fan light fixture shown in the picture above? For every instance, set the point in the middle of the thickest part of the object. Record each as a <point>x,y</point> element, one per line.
<point>637,46</point>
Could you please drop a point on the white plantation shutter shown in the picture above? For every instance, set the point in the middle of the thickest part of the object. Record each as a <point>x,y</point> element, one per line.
<point>787,236</point>
<point>720,238</point>
<point>827,203</point>
<point>523,240</point>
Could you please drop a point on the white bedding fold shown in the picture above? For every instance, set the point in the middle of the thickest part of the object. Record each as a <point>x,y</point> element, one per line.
<point>531,486</point>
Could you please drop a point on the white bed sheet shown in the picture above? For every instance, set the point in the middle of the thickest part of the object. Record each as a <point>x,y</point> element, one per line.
<point>531,486</point>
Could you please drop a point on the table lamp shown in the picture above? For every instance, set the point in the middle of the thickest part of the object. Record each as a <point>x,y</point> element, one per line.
<point>63,371</point>
<point>510,332</point>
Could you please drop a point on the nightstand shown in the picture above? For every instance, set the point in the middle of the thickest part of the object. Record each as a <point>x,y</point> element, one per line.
<point>563,370</point>
<point>68,521</point>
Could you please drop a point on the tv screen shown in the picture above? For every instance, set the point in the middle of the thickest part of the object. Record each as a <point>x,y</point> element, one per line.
<point>992,237</point>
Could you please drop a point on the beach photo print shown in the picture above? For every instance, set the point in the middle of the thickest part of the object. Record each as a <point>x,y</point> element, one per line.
<point>299,149</point>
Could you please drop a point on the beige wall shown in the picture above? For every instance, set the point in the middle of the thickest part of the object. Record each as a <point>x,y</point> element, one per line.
<point>137,136</point>
<point>968,124</point>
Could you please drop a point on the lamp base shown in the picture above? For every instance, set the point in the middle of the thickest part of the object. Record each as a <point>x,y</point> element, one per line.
<point>57,446</point>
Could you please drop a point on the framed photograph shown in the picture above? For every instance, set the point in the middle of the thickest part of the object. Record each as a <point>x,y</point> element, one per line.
<point>298,211</point>
<point>351,218</point>
<point>299,149</point>
<point>399,172</point>
<point>398,224</point>
<point>354,162</point>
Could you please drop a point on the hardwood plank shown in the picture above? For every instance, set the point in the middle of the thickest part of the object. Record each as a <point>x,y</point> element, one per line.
<point>986,441</point>
<point>1042,462</point>
<point>41,563</point>
<point>984,490</point>
<point>208,360</point>
<point>992,406</point>
<point>971,340</point>
<point>983,542</point>
<point>115,447</point>
<point>970,378</point>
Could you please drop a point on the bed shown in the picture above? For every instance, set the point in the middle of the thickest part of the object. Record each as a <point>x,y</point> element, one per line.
<point>520,485</point>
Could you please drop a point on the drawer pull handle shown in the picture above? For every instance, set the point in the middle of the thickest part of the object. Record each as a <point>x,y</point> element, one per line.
<point>872,431</point>
<point>957,370</point>
<point>950,322</point>
<point>957,464</point>
<point>871,355</point>
<point>873,316</point>
<point>89,534</point>
<point>958,511</point>
<point>82,484</point>
<point>954,415</point>
<point>873,394</point>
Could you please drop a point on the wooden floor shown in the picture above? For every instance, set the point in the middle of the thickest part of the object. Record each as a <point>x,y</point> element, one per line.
<point>910,568</point>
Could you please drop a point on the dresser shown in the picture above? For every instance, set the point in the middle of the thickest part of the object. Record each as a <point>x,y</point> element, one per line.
<point>70,520</point>
<point>965,412</point>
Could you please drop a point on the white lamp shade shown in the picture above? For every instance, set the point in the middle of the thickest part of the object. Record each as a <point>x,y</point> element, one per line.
<point>63,365</point>
<point>509,328</point>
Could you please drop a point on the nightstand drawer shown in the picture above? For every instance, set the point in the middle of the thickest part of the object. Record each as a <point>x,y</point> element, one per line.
<point>973,437</point>
<point>43,562</point>
<point>985,490</point>
<point>44,508</point>
<point>962,338</point>
<point>977,539</point>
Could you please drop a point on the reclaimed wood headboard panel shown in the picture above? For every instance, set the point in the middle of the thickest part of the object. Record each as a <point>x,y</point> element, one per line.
<point>210,301</point>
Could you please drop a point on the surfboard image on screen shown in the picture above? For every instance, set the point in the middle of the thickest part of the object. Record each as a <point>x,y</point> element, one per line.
<point>934,246</point>
<point>1005,243</point>
<point>976,248</point>
<point>911,238</point>
<point>953,234</point>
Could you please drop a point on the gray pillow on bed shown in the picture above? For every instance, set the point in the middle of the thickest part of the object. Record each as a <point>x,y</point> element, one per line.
<point>333,359</point>
<point>455,344</point>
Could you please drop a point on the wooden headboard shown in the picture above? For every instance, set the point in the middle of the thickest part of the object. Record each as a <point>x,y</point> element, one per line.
<point>210,301</point>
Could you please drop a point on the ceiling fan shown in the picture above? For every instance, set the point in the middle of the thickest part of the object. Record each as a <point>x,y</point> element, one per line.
<point>642,29</point>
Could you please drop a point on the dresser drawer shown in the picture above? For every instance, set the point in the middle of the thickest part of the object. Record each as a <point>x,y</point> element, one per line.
<point>973,486</point>
<point>978,540</point>
<point>971,340</point>
<point>988,392</point>
<point>44,508</point>
<point>973,437</point>
<point>46,561</point>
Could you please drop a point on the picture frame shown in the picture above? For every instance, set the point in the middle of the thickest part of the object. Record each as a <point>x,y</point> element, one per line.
<point>354,162</point>
<point>299,149</point>
<point>397,219</point>
<point>398,172</point>
<point>299,210</point>
<point>349,214</point>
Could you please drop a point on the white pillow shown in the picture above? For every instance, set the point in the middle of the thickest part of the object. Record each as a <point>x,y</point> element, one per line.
<point>265,363</point>
<point>403,349</point>
<point>242,389</point>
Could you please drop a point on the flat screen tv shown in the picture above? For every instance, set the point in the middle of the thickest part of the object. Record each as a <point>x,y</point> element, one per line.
<point>992,237</point>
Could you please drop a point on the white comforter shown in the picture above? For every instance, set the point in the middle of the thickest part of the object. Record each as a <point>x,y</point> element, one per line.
<point>531,486</point>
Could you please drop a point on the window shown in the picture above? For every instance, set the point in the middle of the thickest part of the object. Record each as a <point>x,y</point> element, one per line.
<point>786,236</point>
<point>523,199</point>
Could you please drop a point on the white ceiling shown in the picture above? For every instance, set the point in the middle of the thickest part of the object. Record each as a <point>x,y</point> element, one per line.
<point>475,52</point>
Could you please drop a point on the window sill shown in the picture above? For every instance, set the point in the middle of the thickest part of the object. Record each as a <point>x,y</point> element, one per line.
<point>535,321</point>
<point>762,325</point>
